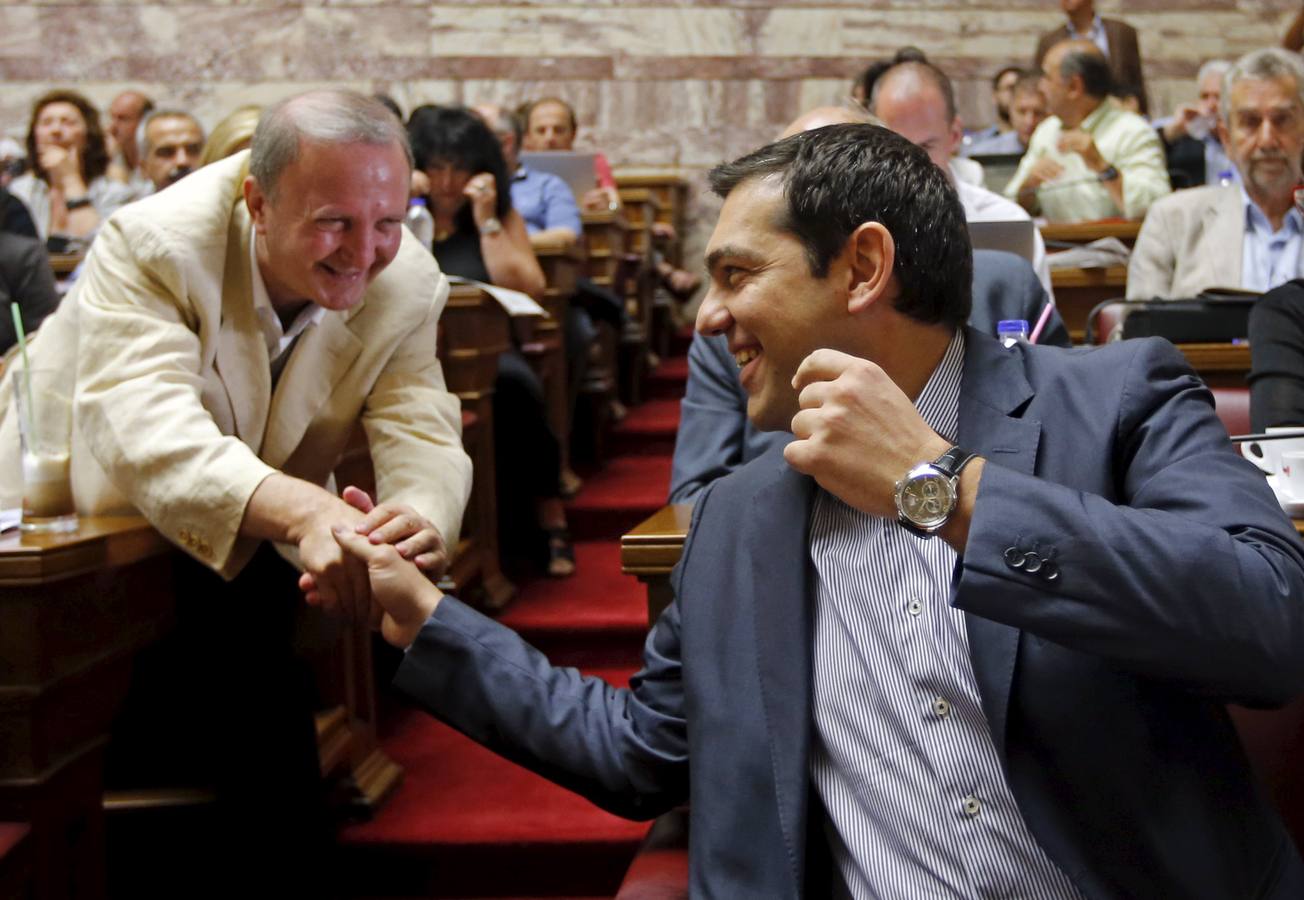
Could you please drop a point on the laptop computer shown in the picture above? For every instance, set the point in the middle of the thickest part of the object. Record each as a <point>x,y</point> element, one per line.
<point>574,168</point>
<point>1017,236</point>
<point>999,169</point>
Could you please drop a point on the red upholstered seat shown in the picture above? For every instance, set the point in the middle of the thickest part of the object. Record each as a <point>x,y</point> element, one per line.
<point>15,860</point>
<point>1233,407</point>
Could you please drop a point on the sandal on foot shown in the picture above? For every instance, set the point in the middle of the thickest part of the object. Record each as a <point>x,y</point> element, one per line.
<point>561,553</point>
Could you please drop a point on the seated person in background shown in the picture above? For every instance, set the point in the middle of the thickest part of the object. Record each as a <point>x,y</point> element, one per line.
<point>1192,145</point>
<point>14,217</point>
<point>25,279</point>
<point>67,191</point>
<point>1116,40</point>
<point>999,136</point>
<point>916,100</point>
<point>715,436</point>
<point>863,87</point>
<point>479,235</point>
<point>1245,235</point>
<point>544,201</point>
<point>171,143</point>
<point>229,335</point>
<point>126,112</point>
<point>1277,358</point>
<point>232,134</point>
<point>1090,160</point>
<point>1030,703</point>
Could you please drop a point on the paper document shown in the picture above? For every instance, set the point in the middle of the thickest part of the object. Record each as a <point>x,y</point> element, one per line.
<point>513,302</point>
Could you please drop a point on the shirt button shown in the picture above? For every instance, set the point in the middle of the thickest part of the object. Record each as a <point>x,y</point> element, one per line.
<point>914,607</point>
<point>941,708</point>
<point>972,806</point>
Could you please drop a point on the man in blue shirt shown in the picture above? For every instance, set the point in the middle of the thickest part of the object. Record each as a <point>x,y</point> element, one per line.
<point>543,200</point>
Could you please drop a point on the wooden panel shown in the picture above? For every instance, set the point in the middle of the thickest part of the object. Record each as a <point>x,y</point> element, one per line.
<point>651,549</point>
<point>1086,232</point>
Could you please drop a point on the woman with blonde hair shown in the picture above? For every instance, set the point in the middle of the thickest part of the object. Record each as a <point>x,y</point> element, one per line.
<point>232,134</point>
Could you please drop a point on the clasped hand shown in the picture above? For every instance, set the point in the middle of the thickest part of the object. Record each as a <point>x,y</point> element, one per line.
<point>856,432</point>
<point>337,580</point>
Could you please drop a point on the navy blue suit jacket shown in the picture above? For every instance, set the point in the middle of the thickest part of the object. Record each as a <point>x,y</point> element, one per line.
<point>714,435</point>
<point>1180,588</point>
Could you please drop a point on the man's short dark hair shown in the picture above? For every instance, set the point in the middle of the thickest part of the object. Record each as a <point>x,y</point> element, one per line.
<point>836,178</point>
<point>535,104</point>
<point>1093,68</point>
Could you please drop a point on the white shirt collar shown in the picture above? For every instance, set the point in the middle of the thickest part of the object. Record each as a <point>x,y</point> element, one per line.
<point>277,337</point>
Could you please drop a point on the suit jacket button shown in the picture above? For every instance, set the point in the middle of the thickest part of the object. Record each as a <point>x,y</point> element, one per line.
<point>1014,558</point>
<point>1032,563</point>
<point>1049,570</point>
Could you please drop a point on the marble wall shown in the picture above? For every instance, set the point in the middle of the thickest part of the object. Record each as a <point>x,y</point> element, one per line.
<point>676,85</point>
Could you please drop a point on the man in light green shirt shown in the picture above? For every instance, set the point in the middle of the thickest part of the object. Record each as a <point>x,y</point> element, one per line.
<point>1090,160</point>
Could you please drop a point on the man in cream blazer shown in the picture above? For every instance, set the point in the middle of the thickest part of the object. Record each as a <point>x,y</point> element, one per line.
<point>1190,242</point>
<point>177,412</point>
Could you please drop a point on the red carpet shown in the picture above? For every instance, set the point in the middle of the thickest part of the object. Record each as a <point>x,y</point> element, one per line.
<point>467,823</point>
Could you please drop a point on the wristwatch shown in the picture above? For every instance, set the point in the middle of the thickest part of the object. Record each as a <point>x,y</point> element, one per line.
<point>76,203</point>
<point>491,226</point>
<point>1109,173</point>
<point>926,496</point>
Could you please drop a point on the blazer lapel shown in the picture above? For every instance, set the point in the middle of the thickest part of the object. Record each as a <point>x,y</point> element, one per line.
<point>1224,231</point>
<point>783,621</point>
<point>317,362</point>
<point>241,357</point>
<point>993,395</point>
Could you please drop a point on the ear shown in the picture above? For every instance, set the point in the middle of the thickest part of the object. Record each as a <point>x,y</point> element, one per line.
<point>873,253</point>
<point>257,203</point>
<point>957,134</point>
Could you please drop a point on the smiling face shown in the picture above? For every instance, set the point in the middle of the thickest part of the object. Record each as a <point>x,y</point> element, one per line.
<point>60,124</point>
<point>763,296</point>
<point>1265,134</point>
<point>335,222</point>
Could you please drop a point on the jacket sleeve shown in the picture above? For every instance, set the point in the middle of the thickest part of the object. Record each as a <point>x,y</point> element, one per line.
<point>139,403</point>
<point>712,420</point>
<point>1140,157</point>
<point>1154,258</point>
<point>625,749</point>
<point>1194,574</point>
<point>414,429</point>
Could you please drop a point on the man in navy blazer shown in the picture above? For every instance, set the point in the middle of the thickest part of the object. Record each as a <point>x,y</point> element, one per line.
<point>714,436</point>
<point>1117,574</point>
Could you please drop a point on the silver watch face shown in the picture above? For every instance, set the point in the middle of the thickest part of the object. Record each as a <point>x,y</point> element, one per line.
<point>925,497</point>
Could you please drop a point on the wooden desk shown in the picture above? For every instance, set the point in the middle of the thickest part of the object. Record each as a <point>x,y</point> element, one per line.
<point>547,350</point>
<point>606,236</point>
<point>1077,291</point>
<point>63,264</point>
<point>650,550</point>
<point>76,609</point>
<point>670,192</point>
<point>473,331</point>
<point>1086,232</point>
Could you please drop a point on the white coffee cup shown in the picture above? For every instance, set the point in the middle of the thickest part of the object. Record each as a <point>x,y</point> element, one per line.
<point>1267,454</point>
<point>1291,477</point>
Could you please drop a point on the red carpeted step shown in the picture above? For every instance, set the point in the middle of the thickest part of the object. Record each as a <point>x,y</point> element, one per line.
<point>619,496</point>
<point>468,822</point>
<point>598,617</point>
<point>669,378</point>
<point>648,430</point>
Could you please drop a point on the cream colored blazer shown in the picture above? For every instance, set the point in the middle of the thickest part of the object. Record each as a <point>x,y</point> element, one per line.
<point>174,413</point>
<point>1190,241</point>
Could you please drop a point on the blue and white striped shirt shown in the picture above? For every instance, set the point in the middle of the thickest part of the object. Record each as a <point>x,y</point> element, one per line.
<point>902,757</point>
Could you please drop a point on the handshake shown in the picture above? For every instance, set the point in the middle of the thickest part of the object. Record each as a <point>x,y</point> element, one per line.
<point>374,566</point>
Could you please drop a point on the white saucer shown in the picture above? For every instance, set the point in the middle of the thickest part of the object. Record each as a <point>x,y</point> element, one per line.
<point>1293,506</point>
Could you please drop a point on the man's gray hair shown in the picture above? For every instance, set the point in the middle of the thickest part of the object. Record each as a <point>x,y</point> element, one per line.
<point>328,116</point>
<point>1268,64</point>
<point>1217,67</point>
<point>505,121</point>
<point>142,130</point>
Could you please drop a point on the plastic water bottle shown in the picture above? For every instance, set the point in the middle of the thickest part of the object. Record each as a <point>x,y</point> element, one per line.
<point>1012,331</point>
<point>421,222</point>
<point>1226,177</point>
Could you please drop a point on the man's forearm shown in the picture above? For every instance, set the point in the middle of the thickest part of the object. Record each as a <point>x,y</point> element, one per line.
<point>282,508</point>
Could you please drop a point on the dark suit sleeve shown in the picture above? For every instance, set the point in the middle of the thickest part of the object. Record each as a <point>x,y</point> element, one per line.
<point>1191,574</point>
<point>1277,358</point>
<point>712,420</point>
<point>625,749</point>
<point>25,278</point>
<point>1006,286</point>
